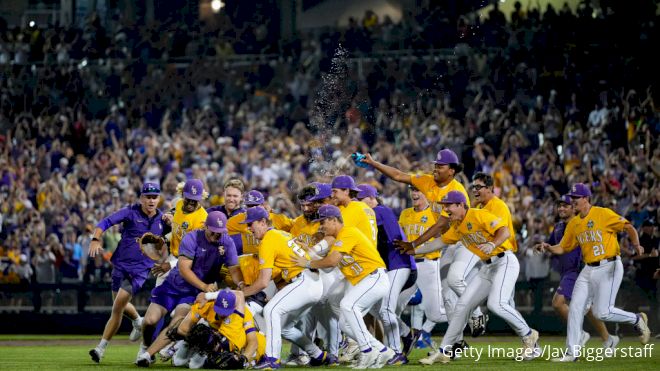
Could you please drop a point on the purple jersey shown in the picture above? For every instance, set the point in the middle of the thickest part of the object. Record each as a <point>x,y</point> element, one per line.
<point>568,262</point>
<point>207,259</point>
<point>134,223</point>
<point>388,231</point>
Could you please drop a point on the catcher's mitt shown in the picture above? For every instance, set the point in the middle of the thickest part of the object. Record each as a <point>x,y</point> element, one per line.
<point>153,247</point>
<point>225,361</point>
<point>205,340</point>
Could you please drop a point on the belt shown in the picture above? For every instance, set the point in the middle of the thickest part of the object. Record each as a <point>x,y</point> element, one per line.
<point>421,260</point>
<point>313,270</point>
<point>374,272</point>
<point>493,260</point>
<point>603,261</point>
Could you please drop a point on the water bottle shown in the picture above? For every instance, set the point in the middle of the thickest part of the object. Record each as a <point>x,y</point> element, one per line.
<point>357,159</point>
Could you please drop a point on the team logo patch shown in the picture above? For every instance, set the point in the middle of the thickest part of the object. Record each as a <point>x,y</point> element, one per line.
<point>226,321</point>
<point>425,219</point>
<point>494,223</point>
<point>184,225</point>
<point>193,190</point>
<point>220,223</point>
<point>225,304</point>
<point>590,224</point>
<point>469,226</point>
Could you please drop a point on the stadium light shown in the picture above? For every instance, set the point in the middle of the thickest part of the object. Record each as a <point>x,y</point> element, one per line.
<point>217,5</point>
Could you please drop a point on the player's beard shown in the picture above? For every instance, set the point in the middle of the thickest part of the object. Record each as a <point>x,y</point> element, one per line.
<point>311,216</point>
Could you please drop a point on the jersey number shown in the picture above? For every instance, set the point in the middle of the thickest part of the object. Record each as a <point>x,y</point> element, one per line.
<point>599,250</point>
<point>374,229</point>
<point>348,261</point>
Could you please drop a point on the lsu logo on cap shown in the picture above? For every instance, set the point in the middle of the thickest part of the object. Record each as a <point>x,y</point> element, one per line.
<point>225,304</point>
<point>574,188</point>
<point>220,223</point>
<point>193,190</point>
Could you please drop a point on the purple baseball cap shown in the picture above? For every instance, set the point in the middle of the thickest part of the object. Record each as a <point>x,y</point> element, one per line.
<point>579,190</point>
<point>565,199</point>
<point>253,198</point>
<point>454,197</point>
<point>328,211</point>
<point>344,182</point>
<point>216,222</point>
<point>255,213</point>
<point>446,157</point>
<point>323,191</point>
<point>193,189</point>
<point>366,190</point>
<point>150,189</point>
<point>225,303</point>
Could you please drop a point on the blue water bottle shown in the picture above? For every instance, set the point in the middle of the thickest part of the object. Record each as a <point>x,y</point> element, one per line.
<point>357,159</point>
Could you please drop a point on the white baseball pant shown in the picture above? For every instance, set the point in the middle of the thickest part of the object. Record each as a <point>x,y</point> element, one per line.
<point>597,286</point>
<point>357,301</point>
<point>495,281</point>
<point>283,311</point>
<point>455,266</point>
<point>388,312</point>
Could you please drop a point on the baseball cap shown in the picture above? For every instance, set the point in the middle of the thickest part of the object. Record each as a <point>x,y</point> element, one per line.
<point>579,190</point>
<point>366,190</point>
<point>225,303</point>
<point>324,190</point>
<point>216,222</point>
<point>649,223</point>
<point>565,199</point>
<point>253,198</point>
<point>446,156</point>
<point>344,182</point>
<point>255,213</point>
<point>327,211</point>
<point>454,197</point>
<point>150,189</point>
<point>193,189</point>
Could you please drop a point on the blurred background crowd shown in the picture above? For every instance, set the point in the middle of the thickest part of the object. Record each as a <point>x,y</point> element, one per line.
<point>541,98</point>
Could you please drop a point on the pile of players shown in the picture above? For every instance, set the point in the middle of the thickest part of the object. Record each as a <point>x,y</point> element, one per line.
<point>329,279</point>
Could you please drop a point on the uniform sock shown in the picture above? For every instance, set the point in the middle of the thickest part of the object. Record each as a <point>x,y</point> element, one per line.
<point>103,344</point>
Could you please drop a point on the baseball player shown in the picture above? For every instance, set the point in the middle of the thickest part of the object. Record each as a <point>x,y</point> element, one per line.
<point>355,213</point>
<point>401,269</point>
<point>321,317</point>
<point>233,195</point>
<point>201,254</point>
<point>415,221</point>
<point>364,269</point>
<point>457,261</point>
<point>487,236</point>
<point>568,266</point>
<point>228,314</point>
<point>594,229</point>
<point>302,289</point>
<point>130,268</point>
<point>188,215</point>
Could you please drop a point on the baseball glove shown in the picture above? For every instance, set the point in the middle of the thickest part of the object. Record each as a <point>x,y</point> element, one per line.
<point>225,361</point>
<point>205,340</point>
<point>152,246</point>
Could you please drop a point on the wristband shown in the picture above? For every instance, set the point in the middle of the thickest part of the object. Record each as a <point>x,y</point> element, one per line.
<point>308,265</point>
<point>492,244</point>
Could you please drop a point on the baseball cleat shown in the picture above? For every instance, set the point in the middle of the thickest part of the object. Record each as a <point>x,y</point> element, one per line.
<point>610,345</point>
<point>643,327</point>
<point>321,360</point>
<point>365,360</point>
<point>136,333</point>
<point>437,356</point>
<point>145,360</point>
<point>267,363</point>
<point>399,359</point>
<point>566,358</point>
<point>584,338</point>
<point>96,354</point>
<point>383,358</point>
<point>297,360</point>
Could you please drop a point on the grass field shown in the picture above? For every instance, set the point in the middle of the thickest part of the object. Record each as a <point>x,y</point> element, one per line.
<point>50,352</point>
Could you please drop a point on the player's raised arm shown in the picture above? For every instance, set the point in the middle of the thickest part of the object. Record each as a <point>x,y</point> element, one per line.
<point>389,171</point>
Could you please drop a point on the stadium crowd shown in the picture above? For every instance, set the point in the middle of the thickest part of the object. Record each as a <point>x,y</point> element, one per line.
<point>537,105</point>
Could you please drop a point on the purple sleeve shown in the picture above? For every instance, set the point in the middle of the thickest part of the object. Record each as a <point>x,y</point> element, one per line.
<point>188,245</point>
<point>231,257</point>
<point>117,217</point>
<point>238,243</point>
<point>385,217</point>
